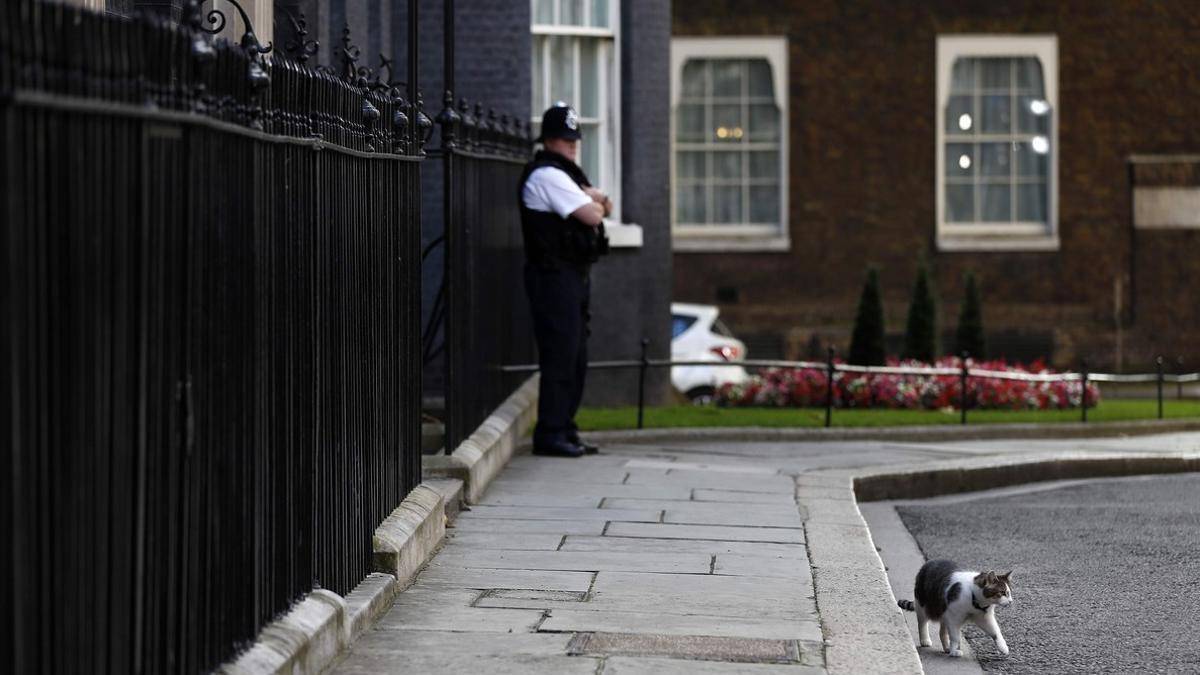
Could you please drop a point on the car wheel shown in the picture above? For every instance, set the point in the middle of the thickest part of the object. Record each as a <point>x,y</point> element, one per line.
<point>701,395</point>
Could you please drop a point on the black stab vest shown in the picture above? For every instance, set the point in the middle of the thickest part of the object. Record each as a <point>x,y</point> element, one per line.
<point>551,241</point>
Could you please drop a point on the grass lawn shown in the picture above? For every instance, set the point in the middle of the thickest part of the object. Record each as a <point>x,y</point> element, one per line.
<point>594,419</point>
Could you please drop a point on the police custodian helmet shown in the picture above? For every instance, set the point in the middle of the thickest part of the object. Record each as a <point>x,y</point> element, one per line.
<point>560,121</point>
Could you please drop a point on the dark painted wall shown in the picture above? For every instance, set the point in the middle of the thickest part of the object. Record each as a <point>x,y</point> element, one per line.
<point>631,288</point>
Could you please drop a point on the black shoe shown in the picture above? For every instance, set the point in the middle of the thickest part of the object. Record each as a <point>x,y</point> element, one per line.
<point>559,449</point>
<point>587,448</point>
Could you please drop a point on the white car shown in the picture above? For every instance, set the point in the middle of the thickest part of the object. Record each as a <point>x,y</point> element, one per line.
<point>698,335</point>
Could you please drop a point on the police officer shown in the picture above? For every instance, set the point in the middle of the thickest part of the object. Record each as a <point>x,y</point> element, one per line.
<point>562,224</point>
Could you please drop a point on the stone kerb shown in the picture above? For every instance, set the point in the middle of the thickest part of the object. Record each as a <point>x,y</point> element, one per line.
<point>479,459</point>
<point>319,628</point>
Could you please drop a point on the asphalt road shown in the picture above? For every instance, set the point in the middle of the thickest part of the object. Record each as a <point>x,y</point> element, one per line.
<point>1107,574</point>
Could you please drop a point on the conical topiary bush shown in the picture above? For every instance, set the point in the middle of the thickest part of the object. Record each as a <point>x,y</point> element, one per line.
<point>866,345</point>
<point>920,333</point>
<point>969,336</point>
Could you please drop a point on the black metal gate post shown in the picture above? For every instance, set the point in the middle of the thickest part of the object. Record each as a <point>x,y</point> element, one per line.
<point>642,382</point>
<point>1083,393</point>
<point>963,383</point>
<point>1159,363</point>
<point>829,388</point>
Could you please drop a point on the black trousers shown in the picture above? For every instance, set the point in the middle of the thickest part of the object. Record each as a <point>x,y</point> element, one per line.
<point>558,299</point>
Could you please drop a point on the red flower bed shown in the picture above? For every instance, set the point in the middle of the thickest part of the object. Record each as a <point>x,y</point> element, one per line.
<point>806,387</point>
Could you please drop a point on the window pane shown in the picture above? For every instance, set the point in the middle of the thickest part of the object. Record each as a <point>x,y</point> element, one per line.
<point>764,122</point>
<point>997,114</point>
<point>727,164</point>
<point>1033,114</point>
<point>994,73</point>
<point>962,79</point>
<point>727,204</point>
<point>960,160</point>
<point>600,13</point>
<point>995,159</point>
<point>1031,203</point>
<point>760,78</point>
<point>689,204</point>
<point>543,11</point>
<point>589,151</point>
<point>1030,163</point>
<point>1029,76</point>
<point>562,70</point>
<point>691,164</point>
<point>960,203</point>
<point>539,81</point>
<point>589,78</point>
<point>764,204</point>
<point>727,78</point>
<point>764,164</point>
<point>690,125</point>
<point>960,116</point>
<point>727,123</point>
<point>996,203</point>
<point>695,81</point>
<point>571,13</point>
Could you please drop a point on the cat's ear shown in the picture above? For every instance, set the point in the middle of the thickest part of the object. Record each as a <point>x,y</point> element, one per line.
<point>1006,576</point>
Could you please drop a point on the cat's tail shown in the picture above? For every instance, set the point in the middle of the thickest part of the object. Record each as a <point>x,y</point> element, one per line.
<point>907,605</point>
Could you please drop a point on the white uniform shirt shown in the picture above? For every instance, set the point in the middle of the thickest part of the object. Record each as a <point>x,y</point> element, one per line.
<point>549,188</point>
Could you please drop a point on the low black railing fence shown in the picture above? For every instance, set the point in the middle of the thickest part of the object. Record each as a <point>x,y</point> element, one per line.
<point>210,388</point>
<point>832,371</point>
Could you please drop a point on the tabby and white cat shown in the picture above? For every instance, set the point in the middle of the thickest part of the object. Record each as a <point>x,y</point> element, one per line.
<point>952,596</point>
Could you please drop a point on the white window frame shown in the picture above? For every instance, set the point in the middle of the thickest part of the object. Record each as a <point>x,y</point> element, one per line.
<point>984,236</point>
<point>733,237</point>
<point>609,92</point>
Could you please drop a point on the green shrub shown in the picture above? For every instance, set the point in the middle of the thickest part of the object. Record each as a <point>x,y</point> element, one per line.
<point>920,333</point>
<point>969,337</point>
<point>866,345</point>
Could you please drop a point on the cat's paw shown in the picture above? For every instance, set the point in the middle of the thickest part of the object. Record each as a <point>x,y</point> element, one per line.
<point>926,642</point>
<point>956,653</point>
<point>1002,647</point>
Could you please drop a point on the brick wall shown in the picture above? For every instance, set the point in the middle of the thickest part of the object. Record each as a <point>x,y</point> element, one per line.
<point>862,175</point>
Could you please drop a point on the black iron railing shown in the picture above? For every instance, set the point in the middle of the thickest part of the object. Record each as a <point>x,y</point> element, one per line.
<point>210,382</point>
<point>833,371</point>
<point>481,308</point>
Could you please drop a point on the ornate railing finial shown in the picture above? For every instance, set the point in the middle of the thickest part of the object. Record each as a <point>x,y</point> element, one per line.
<point>299,47</point>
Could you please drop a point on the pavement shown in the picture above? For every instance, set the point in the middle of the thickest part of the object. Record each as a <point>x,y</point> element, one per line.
<point>698,556</point>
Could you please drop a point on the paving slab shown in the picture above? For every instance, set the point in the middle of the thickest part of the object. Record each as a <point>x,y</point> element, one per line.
<point>553,513</point>
<point>482,579</point>
<point>709,547</point>
<point>777,568</point>
<point>707,479</point>
<point>450,662</point>
<point>673,624</point>
<point>434,615</point>
<point>775,535</point>
<point>573,560</point>
<point>410,642</point>
<point>741,497</point>
<point>505,525</point>
<point>512,541</point>
<point>522,499</point>
<point>673,490</point>
<point>685,466</point>
<point>628,665</point>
